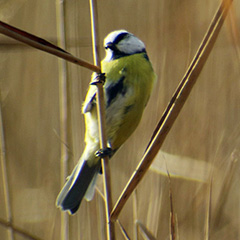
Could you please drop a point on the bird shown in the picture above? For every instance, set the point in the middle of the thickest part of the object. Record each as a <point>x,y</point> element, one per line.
<point>129,81</point>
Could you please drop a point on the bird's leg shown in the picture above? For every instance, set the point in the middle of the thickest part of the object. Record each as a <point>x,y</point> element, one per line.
<point>104,152</point>
<point>100,78</point>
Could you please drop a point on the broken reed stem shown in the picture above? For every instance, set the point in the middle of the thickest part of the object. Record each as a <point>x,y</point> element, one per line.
<point>43,45</point>
<point>4,174</point>
<point>102,123</point>
<point>63,101</point>
<point>172,111</point>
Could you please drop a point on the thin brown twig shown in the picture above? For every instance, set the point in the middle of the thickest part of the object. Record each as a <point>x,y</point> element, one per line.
<point>43,45</point>
<point>63,101</point>
<point>123,230</point>
<point>177,102</point>
<point>100,193</point>
<point>102,124</point>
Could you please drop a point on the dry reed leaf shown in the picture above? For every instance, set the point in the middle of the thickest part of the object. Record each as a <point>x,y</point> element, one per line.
<point>181,167</point>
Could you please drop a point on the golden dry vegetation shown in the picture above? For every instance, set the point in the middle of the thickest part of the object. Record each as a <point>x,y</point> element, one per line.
<point>201,152</point>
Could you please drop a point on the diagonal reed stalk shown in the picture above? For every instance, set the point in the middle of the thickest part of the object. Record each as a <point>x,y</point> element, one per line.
<point>63,109</point>
<point>43,45</point>
<point>102,123</point>
<point>176,104</point>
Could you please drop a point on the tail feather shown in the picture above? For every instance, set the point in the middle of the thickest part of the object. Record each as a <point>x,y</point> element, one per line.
<point>76,186</point>
<point>91,188</point>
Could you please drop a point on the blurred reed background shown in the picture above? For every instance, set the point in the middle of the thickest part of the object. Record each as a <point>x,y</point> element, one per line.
<point>201,153</point>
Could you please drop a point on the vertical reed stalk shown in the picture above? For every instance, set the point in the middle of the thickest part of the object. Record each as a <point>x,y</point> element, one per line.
<point>4,176</point>
<point>102,124</point>
<point>63,109</point>
<point>208,211</point>
<point>172,214</point>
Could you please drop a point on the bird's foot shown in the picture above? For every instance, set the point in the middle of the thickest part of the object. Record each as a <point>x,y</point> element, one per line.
<point>104,152</point>
<point>100,78</point>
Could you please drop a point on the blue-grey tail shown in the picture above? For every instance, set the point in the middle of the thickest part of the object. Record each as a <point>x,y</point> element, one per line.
<point>76,186</point>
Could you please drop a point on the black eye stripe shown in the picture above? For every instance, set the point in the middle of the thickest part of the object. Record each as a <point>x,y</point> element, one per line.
<point>120,37</point>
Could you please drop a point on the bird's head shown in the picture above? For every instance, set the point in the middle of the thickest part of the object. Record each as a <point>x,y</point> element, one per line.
<point>122,43</point>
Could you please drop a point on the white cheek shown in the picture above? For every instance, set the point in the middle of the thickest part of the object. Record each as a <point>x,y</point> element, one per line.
<point>108,56</point>
<point>131,45</point>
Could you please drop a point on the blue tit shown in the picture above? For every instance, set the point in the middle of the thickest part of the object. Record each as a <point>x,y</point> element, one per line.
<point>129,83</point>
